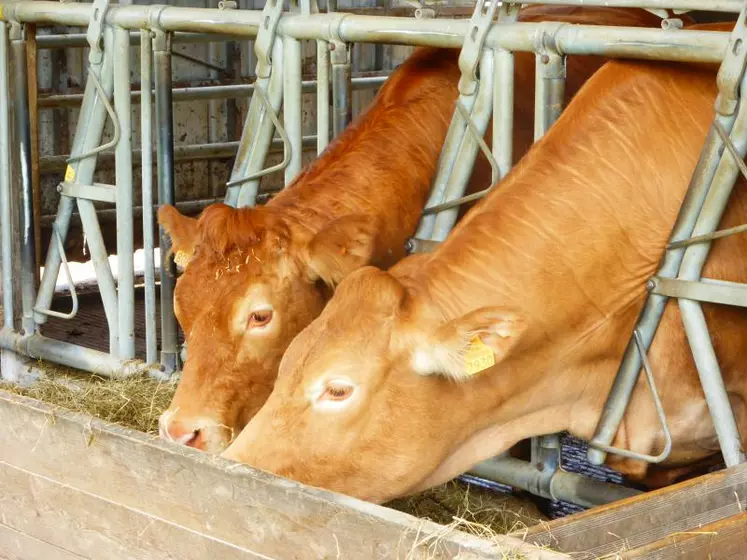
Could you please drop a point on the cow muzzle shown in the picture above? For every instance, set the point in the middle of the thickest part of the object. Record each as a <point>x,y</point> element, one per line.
<point>200,433</point>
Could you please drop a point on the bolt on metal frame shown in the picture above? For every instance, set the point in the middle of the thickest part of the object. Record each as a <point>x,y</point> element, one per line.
<point>484,93</point>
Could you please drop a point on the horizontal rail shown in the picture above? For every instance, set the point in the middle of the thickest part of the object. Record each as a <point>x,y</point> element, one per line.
<point>216,150</point>
<point>229,91</point>
<point>731,6</point>
<point>653,44</point>
<point>40,347</point>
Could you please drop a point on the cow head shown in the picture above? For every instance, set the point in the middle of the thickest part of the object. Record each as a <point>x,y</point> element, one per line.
<point>373,398</point>
<point>251,281</point>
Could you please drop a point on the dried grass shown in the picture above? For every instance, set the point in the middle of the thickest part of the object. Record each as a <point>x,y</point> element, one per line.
<point>137,402</point>
<point>473,509</point>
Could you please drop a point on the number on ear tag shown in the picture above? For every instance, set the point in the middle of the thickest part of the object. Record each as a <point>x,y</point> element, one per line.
<point>181,258</point>
<point>478,358</point>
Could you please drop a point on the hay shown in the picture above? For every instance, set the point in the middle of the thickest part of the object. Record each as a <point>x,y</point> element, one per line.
<point>473,509</point>
<point>137,402</point>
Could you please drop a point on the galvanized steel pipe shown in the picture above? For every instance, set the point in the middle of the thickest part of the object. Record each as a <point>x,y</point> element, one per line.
<point>25,198</point>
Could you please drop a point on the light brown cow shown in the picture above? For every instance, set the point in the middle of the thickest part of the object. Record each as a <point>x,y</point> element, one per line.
<point>256,276</point>
<point>379,397</point>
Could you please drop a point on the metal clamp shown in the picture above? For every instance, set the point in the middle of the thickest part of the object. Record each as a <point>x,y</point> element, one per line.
<point>97,191</point>
<point>659,412</point>
<point>95,30</point>
<point>271,13</point>
<point>469,57</point>
<point>70,283</point>
<point>732,68</point>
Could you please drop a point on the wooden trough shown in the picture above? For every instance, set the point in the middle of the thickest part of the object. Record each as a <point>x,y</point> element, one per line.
<point>74,486</point>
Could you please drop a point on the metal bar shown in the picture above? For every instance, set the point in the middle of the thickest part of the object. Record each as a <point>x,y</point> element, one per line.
<point>39,347</point>
<point>713,384</point>
<point>465,161</point>
<point>257,134</point>
<point>187,152</point>
<point>95,241</point>
<point>88,134</point>
<point>503,110</point>
<point>125,222</point>
<point>79,39</point>
<point>231,91</point>
<point>33,85</point>
<point>549,91</point>
<point>679,44</point>
<point>342,108</point>
<point>165,148</point>
<point>322,95</point>
<point>25,197</point>
<point>146,141</point>
<point>725,293</point>
<point>569,487</point>
<point>5,200</point>
<point>292,118</point>
<point>446,162</point>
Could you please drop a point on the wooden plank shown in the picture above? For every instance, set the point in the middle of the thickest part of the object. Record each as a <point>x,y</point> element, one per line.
<point>721,540</point>
<point>86,526</point>
<point>16,545</point>
<point>140,477</point>
<point>644,519</point>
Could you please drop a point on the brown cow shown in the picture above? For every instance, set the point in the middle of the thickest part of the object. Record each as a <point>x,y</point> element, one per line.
<point>384,394</point>
<point>256,276</point>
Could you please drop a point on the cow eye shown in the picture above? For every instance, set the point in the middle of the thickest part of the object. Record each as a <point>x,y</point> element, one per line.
<point>260,318</point>
<point>336,392</point>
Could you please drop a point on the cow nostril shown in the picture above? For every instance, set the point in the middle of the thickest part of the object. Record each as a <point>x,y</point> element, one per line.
<point>193,439</point>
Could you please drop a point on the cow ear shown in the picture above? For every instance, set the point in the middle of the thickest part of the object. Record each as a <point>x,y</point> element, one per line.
<point>183,233</point>
<point>463,347</point>
<point>339,248</point>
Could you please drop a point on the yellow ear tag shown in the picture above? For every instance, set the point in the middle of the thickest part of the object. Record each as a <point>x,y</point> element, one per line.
<point>479,357</point>
<point>181,258</point>
<point>69,174</point>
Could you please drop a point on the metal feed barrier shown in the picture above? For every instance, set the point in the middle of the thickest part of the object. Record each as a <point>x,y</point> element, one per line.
<point>485,91</point>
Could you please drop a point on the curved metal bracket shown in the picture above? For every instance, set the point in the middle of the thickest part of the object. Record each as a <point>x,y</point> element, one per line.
<point>69,276</point>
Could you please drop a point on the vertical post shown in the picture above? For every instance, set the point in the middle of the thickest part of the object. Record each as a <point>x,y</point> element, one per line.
<point>26,195</point>
<point>146,145</point>
<point>165,154</point>
<point>292,105</point>
<point>549,87</point>
<point>342,108</point>
<point>33,86</point>
<point>503,110</point>
<point>123,165</point>
<point>322,96</point>
<point>5,200</point>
